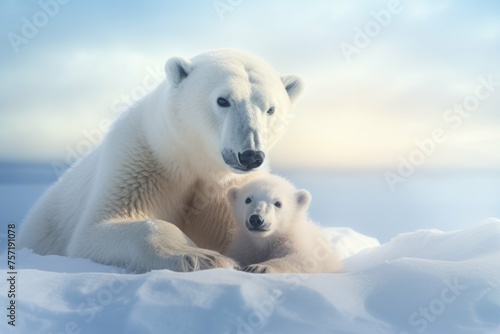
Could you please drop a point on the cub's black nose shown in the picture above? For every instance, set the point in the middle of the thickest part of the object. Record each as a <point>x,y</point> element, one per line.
<point>256,221</point>
<point>251,159</point>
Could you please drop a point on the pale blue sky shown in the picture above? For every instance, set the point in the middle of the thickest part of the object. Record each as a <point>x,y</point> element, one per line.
<point>90,57</point>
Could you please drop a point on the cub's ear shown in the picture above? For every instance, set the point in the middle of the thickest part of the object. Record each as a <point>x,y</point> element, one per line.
<point>303,198</point>
<point>293,86</point>
<point>177,69</point>
<point>232,194</point>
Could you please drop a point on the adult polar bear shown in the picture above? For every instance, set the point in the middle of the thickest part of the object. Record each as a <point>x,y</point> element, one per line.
<point>153,194</point>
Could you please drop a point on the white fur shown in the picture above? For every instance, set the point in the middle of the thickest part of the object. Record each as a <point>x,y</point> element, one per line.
<point>153,194</point>
<point>288,242</point>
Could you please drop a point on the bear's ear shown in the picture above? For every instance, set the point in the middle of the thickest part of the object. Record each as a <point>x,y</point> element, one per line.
<point>177,69</point>
<point>303,198</point>
<point>232,194</point>
<point>293,86</point>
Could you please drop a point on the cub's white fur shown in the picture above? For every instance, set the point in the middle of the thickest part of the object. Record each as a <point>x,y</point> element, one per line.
<point>273,233</point>
<point>153,194</point>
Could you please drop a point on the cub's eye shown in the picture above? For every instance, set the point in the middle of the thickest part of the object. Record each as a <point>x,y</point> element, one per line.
<point>270,111</point>
<point>222,102</point>
<point>248,200</point>
<point>277,204</point>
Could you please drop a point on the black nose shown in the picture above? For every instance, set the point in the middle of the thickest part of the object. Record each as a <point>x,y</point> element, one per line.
<point>256,221</point>
<point>251,159</point>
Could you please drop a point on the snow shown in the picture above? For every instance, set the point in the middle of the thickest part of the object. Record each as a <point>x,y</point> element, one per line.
<point>427,281</point>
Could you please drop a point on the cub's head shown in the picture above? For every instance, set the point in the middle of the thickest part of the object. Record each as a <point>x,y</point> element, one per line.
<point>267,204</point>
<point>228,106</point>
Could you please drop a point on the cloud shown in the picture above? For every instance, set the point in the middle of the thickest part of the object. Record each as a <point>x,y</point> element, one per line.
<point>364,113</point>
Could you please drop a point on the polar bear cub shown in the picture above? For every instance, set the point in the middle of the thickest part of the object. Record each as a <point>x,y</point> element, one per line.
<point>273,233</point>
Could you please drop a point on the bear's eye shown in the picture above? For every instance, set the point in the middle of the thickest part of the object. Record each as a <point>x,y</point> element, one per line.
<point>248,200</point>
<point>270,111</point>
<point>222,102</point>
<point>277,204</point>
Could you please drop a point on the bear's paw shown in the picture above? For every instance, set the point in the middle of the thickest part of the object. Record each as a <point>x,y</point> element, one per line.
<point>257,269</point>
<point>204,259</point>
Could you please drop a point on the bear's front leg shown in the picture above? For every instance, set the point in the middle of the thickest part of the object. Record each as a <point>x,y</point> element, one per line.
<point>142,246</point>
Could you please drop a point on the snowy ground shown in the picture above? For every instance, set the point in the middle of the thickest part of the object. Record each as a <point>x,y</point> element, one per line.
<point>426,281</point>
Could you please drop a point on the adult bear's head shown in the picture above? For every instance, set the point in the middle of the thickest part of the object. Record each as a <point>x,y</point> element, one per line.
<point>230,106</point>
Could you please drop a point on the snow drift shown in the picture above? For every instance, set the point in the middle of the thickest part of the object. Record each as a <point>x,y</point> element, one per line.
<point>426,281</point>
